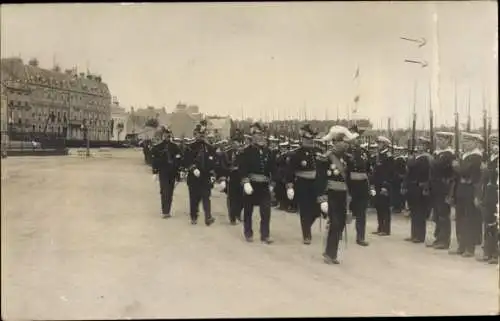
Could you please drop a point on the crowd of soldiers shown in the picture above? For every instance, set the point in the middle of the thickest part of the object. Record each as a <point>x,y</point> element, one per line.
<point>337,177</point>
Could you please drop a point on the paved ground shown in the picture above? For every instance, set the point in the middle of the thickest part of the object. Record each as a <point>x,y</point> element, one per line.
<point>82,239</point>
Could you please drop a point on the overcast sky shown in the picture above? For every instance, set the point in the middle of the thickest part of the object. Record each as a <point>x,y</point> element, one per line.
<point>271,57</point>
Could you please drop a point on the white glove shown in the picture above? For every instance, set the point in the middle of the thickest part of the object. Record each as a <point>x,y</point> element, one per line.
<point>155,177</point>
<point>212,179</point>
<point>372,192</point>
<point>196,172</point>
<point>324,207</point>
<point>271,188</point>
<point>183,175</point>
<point>222,186</point>
<point>247,187</point>
<point>290,193</point>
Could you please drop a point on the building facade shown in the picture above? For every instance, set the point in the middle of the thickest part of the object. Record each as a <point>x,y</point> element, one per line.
<point>53,103</point>
<point>3,116</point>
<point>119,118</point>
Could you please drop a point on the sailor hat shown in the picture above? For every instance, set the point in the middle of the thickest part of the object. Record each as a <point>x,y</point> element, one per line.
<point>423,139</point>
<point>383,139</point>
<point>466,136</point>
<point>445,134</point>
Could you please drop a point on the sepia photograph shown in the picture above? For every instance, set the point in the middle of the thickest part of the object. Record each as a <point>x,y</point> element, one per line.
<point>249,160</point>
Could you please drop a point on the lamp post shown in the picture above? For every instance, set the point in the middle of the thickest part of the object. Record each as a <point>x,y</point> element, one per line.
<point>85,129</point>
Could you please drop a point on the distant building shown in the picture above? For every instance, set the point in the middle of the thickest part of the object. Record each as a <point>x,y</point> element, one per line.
<point>219,126</point>
<point>55,103</point>
<point>120,119</point>
<point>3,117</point>
<point>183,120</point>
<point>138,117</point>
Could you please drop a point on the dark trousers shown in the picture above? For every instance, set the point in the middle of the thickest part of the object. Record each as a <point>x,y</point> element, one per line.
<point>308,206</point>
<point>234,200</point>
<point>337,212</point>
<point>358,208</point>
<point>197,194</point>
<point>442,212</point>
<point>261,197</point>
<point>167,185</point>
<point>280,193</point>
<point>490,235</point>
<point>468,221</point>
<point>397,199</point>
<point>383,207</point>
<point>420,210</point>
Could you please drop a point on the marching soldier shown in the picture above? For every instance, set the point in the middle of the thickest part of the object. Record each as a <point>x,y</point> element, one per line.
<point>417,185</point>
<point>200,162</point>
<point>442,176</point>
<point>256,167</point>
<point>332,174</point>
<point>383,173</point>
<point>301,177</point>
<point>229,175</point>
<point>490,204</point>
<point>166,160</point>
<point>359,186</point>
<point>468,221</point>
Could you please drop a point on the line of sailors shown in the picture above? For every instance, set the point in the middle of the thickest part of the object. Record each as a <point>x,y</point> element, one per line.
<point>328,176</point>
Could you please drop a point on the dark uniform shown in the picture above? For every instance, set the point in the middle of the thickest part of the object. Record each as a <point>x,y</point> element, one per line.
<point>332,173</point>
<point>490,206</point>
<point>200,158</point>
<point>301,177</point>
<point>256,167</point>
<point>166,161</point>
<point>383,174</point>
<point>442,176</point>
<point>280,177</point>
<point>468,193</point>
<point>359,170</point>
<point>417,184</point>
<point>398,199</point>
<point>228,171</point>
<point>146,151</point>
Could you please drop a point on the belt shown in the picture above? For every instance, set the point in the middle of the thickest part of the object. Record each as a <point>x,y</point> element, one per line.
<point>234,168</point>
<point>336,186</point>
<point>306,174</point>
<point>258,178</point>
<point>355,176</point>
<point>465,181</point>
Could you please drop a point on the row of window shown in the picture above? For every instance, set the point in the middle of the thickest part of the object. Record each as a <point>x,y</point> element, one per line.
<point>65,84</point>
